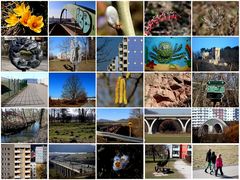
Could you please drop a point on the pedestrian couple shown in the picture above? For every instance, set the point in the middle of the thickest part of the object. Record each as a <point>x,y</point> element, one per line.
<point>214,163</point>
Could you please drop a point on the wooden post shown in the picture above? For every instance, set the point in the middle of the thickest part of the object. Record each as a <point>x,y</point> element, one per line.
<point>130,128</point>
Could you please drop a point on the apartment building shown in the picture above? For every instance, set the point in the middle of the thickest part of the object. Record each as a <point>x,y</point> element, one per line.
<point>120,62</point>
<point>181,151</point>
<point>201,115</point>
<point>16,161</point>
<point>41,154</point>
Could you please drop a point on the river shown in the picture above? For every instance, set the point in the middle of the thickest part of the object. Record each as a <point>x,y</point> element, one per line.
<point>23,136</point>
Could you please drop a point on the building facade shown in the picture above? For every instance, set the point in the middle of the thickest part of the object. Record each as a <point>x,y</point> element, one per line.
<point>41,154</point>
<point>16,161</point>
<point>120,62</point>
<point>201,115</point>
<point>181,151</point>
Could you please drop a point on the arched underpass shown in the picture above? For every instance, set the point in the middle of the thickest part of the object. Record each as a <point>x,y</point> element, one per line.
<point>161,124</point>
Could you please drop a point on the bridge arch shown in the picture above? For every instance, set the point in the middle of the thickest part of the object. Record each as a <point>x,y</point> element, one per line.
<point>61,16</point>
<point>147,126</point>
<point>159,120</point>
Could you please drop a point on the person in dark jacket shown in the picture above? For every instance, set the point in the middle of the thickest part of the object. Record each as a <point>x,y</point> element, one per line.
<point>208,159</point>
<point>213,160</point>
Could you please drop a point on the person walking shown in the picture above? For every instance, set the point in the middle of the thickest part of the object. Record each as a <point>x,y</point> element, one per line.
<point>208,159</point>
<point>219,165</point>
<point>213,161</point>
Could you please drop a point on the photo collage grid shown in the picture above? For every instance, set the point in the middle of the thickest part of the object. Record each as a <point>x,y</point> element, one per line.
<point>119,89</point>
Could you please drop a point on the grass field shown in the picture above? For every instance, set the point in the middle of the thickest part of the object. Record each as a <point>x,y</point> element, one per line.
<point>72,132</point>
<point>168,138</point>
<point>150,169</point>
<point>229,154</point>
<point>65,65</point>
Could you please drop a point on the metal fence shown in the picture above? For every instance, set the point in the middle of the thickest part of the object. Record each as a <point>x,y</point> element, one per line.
<point>11,87</point>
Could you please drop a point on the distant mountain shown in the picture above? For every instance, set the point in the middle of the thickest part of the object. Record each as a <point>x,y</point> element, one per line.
<point>122,120</point>
<point>147,111</point>
<point>104,120</point>
<point>108,120</point>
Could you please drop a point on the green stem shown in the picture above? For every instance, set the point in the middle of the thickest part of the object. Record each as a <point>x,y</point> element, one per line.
<point>124,13</point>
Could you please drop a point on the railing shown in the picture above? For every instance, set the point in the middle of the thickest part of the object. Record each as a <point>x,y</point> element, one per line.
<point>120,137</point>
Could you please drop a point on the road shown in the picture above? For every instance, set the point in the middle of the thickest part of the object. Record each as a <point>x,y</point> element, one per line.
<point>35,95</point>
<point>184,168</point>
<point>230,172</point>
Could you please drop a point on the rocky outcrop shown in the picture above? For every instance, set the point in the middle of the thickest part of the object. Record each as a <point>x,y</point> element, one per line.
<point>168,90</point>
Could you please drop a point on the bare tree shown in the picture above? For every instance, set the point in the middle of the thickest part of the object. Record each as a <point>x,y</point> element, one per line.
<point>84,40</point>
<point>136,113</point>
<point>73,90</point>
<point>64,46</point>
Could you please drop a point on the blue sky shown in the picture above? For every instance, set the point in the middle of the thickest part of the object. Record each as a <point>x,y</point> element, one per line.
<point>209,42</point>
<point>174,111</point>
<point>113,114</point>
<point>71,148</point>
<point>55,7</point>
<point>24,75</point>
<point>54,43</point>
<point>57,80</point>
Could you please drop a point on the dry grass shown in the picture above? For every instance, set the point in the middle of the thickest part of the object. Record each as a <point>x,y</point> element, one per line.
<point>65,65</point>
<point>229,154</point>
<point>215,18</point>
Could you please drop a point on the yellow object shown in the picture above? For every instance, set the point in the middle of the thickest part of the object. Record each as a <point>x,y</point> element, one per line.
<point>128,75</point>
<point>19,10</point>
<point>124,92</point>
<point>35,23</point>
<point>120,91</point>
<point>12,20</point>
<point>25,17</point>
<point>130,124</point>
<point>117,90</point>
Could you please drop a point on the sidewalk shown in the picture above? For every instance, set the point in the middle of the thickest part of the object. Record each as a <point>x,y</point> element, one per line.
<point>183,168</point>
<point>230,172</point>
<point>35,95</point>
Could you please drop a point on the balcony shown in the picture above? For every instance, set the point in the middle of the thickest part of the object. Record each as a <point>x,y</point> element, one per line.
<point>17,171</point>
<point>28,176</point>
<point>17,177</point>
<point>27,165</point>
<point>28,171</point>
<point>17,161</point>
<point>27,156</point>
<point>27,151</point>
<point>17,151</point>
<point>17,166</point>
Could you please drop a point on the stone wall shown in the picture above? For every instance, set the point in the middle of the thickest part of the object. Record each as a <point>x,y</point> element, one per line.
<point>168,90</point>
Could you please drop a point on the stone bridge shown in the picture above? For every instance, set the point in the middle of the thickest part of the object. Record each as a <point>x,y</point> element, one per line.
<point>154,121</point>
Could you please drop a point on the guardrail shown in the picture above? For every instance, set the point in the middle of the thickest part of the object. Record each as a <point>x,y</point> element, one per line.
<point>120,137</point>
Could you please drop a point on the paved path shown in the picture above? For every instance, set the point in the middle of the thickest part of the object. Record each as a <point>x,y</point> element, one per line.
<point>230,172</point>
<point>183,168</point>
<point>35,95</point>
